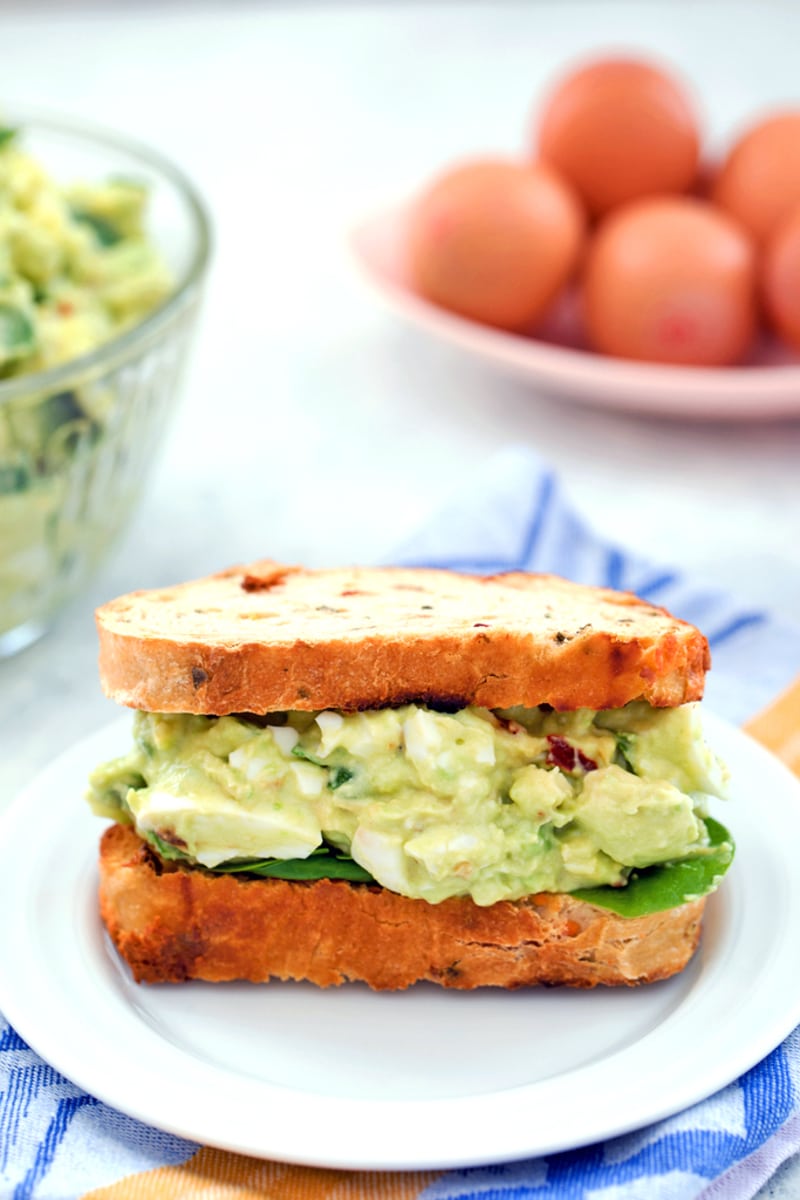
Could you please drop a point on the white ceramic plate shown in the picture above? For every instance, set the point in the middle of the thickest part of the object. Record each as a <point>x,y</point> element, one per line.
<point>556,363</point>
<point>425,1078</point>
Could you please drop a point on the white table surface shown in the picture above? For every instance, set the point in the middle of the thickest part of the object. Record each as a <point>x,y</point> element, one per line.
<point>314,426</point>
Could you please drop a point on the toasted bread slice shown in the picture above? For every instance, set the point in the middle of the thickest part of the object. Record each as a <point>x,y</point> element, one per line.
<point>268,637</point>
<point>172,922</point>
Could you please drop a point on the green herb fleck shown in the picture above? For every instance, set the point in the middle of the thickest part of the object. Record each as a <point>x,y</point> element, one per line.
<point>13,478</point>
<point>104,230</point>
<point>300,752</point>
<point>624,747</point>
<point>338,774</point>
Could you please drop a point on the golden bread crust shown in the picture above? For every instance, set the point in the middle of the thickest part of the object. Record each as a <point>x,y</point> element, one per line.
<point>267,637</point>
<point>172,923</point>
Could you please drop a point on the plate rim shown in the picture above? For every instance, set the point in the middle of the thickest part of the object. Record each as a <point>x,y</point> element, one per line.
<point>743,393</point>
<point>501,1110</point>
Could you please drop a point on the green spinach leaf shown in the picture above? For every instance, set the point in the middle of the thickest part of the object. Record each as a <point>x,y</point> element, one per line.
<point>166,849</point>
<point>322,863</point>
<point>656,889</point>
<point>17,335</point>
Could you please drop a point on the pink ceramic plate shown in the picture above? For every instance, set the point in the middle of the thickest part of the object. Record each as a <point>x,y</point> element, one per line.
<point>555,363</point>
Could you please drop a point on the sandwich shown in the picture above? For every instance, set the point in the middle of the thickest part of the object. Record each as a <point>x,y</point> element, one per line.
<point>390,775</point>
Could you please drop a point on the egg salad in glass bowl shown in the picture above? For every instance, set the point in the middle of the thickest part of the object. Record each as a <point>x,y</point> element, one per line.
<point>103,250</point>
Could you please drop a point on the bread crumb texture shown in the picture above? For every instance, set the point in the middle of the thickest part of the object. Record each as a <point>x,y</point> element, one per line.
<point>173,923</point>
<point>268,637</point>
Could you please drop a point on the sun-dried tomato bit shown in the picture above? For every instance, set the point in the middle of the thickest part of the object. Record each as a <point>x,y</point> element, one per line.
<point>565,756</point>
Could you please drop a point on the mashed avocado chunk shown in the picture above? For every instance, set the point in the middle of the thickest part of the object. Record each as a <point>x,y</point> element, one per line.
<point>492,805</point>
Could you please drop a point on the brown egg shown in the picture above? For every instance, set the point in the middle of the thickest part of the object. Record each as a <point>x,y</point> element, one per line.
<point>495,241</point>
<point>671,280</point>
<point>620,129</point>
<point>780,278</point>
<point>759,181</point>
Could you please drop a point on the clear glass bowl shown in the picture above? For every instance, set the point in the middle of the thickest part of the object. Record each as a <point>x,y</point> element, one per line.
<point>77,440</point>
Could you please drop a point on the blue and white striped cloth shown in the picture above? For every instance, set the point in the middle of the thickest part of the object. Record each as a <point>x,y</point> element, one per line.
<point>517,517</point>
<point>56,1143</point>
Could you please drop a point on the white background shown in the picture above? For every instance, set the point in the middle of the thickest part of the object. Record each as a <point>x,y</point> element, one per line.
<point>315,427</point>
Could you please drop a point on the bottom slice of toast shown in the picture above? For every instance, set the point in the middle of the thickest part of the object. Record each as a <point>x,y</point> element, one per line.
<point>172,922</point>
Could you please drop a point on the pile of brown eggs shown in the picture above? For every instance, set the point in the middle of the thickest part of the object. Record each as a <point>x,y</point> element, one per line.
<point>672,262</point>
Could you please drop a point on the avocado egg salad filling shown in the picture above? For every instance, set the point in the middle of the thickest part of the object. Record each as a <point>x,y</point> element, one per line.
<point>495,805</point>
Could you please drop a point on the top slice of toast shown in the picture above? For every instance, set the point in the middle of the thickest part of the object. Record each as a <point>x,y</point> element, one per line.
<point>268,637</point>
